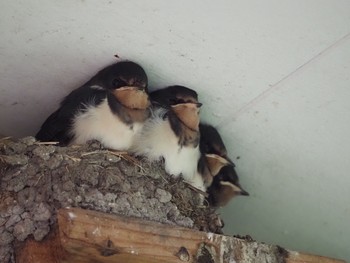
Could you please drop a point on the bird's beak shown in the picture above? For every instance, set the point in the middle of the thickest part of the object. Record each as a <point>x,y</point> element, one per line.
<point>215,163</point>
<point>131,88</point>
<point>230,162</point>
<point>188,104</point>
<point>244,192</point>
<point>241,190</point>
<point>236,188</point>
<point>188,113</point>
<point>132,97</point>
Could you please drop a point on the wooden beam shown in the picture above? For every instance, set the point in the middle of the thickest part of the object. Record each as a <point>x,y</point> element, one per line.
<point>88,236</point>
<point>48,250</point>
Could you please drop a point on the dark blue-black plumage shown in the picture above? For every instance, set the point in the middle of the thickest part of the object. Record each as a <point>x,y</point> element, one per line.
<point>58,126</point>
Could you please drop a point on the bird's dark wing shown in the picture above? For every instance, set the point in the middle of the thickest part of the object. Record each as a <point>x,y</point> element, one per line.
<point>211,141</point>
<point>55,128</point>
<point>58,125</point>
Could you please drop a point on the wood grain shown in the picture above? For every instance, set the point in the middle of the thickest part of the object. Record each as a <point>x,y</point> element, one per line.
<point>88,236</point>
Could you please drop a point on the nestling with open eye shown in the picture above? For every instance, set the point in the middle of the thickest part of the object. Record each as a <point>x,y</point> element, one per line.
<point>111,107</point>
<point>172,133</point>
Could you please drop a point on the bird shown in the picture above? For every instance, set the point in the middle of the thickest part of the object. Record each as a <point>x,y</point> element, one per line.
<point>172,133</point>
<point>211,141</point>
<point>219,170</point>
<point>168,96</point>
<point>224,187</point>
<point>209,165</point>
<point>213,153</point>
<point>111,107</point>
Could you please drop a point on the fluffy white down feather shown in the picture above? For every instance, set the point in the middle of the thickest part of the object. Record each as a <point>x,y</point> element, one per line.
<point>101,124</point>
<point>157,140</point>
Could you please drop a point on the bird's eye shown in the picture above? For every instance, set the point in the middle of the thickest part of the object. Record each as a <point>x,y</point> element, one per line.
<point>175,101</point>
<point>117,83</point>
<point>172,101</point>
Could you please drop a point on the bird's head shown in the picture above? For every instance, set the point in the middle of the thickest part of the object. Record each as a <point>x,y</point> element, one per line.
<point>188,114</point>
<point>182,101</point>
<point>215,163</point>
<point>173,95</point>
<point>128,83</point>
<point>225,186</point>
<point>211,141</point>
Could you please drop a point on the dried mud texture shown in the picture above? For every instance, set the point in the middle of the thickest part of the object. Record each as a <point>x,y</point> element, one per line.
<point>38,179</point>
<point>248,251</point>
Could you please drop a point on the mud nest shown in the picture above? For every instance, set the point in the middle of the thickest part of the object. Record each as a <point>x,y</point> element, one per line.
<point>37,179</point>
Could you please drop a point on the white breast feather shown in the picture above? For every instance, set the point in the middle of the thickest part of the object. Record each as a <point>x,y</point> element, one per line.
<point>157,140</point>
<point>101,124</point>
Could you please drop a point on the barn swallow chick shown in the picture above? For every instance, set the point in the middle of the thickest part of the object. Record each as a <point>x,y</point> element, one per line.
<point>111,108</point>
<point>172,133</point>
<point>218,169</point>
<point>172,95</point>
<point>209,165</point>
<point>211,141</point>
<point>213,153</point>
<point>224,187</point>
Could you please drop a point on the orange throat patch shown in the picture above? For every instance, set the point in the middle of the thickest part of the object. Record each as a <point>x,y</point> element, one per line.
<point>132,98</point>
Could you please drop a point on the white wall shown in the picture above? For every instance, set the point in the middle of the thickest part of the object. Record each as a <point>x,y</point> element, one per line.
<point>273,75</point>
